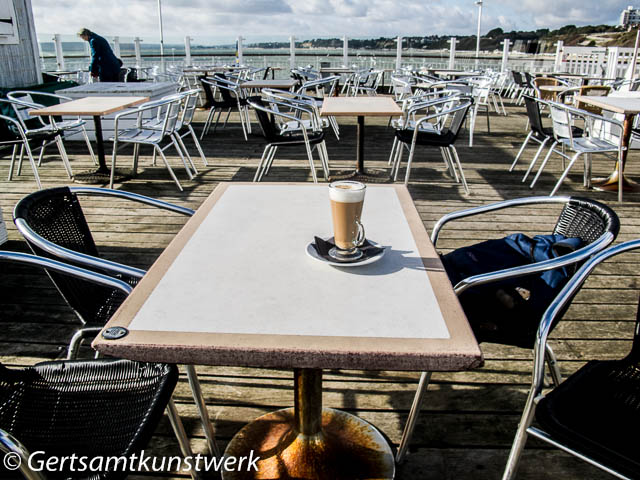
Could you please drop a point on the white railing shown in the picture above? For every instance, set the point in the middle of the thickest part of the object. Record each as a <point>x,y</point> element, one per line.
<point>609,62</point>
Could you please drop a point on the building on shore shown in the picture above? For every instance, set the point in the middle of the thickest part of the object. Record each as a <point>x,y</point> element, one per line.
<point>629,16</point>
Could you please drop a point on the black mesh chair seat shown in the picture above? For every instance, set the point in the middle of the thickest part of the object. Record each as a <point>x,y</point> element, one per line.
<point>292,140</point>
<point>430,139</point>
<point>104,407</point>
<point>597,411</point>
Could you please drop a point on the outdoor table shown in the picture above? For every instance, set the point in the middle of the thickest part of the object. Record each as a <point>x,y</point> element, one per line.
<point>97,107</point>
<point>236,288</point>
<point>554,90</point>
<point>284,84</point>
<point>455,73</point>
<point>629,106</point>
<point>378,106</point>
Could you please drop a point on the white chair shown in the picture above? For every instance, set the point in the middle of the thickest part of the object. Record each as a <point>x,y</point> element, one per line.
<point>601,135</point>
<point>14,127</point>
<point>25,100</point>
<point>442,132</point>
<point>141,135</point>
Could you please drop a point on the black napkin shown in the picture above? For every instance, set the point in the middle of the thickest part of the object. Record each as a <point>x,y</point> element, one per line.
<point>323,247</point>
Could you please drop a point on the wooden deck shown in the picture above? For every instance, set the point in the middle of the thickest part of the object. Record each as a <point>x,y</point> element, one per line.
<point>469,418</point>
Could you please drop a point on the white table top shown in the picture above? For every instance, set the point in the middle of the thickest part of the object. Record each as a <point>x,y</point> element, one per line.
<point>379,106</point>
<point>236,287</point>
<point>269,83</point>
<point>627,105</point>
<point>90,106</point>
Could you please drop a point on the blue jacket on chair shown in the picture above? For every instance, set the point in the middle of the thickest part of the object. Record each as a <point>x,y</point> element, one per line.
<point>103,61</point>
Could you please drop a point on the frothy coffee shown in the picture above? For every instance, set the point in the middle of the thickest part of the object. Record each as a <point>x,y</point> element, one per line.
<point>347,198</point>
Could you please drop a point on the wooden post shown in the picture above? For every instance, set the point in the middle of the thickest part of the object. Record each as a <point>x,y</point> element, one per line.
<point>239,58</point>
<point>557,66</point>
<point>292,52</point>
<point>187,50</point>
<point>345,51</point>
<point>505,54</point>
<point>59,54</point>
<point>136,46</point>
<point>612,62</point>
<point>116,46</point>
<point>452,52</point>
<point>399,54</point>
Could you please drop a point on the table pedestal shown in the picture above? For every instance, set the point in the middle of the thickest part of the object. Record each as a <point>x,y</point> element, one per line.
<point>360,174</point>
<point>310,442</point>
<point>102,174</point>
<point>611,183</point>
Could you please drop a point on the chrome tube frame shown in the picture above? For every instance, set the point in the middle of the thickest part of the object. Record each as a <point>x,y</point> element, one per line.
<point>65,268</point>
<point>11,446</point>
<point>537,382</point>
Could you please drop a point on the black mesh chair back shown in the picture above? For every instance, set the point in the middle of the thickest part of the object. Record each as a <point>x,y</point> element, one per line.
<point>56,215</point>
<point>267,122</point>
<point>459,117</point>
<point>517,77</point>
<point>533,112</point>
<point>586,219</point>
<point>99,408</point>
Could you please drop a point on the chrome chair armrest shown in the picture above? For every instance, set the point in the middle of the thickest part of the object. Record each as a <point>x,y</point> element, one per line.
<point>65,268</point>
<point>11,447</point>
<point>135,197</point>
<point>73,256</point>
<point>490,208</point>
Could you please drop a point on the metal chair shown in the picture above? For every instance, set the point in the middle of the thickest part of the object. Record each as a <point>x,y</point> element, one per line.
<point>452,111</point>
<point>90,408</point>
<point>538,132</point>
<point>188,104</point>
<point>13,135</point>
<point>53,224</point>
<point>595,413</point>
<point>168,111</point>
<point>594,223</point>
<point>267,119</point>
<point>601,135</point>
<point>64,127</point>
<point>232,96</point>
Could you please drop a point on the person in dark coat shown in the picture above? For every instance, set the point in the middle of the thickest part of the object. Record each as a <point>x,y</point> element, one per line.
<point>104,64</point>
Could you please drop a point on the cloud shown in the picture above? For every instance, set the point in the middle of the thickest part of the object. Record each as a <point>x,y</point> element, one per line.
<point>313,18</point>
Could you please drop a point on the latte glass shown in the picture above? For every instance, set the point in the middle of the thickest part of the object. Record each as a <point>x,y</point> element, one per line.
<point>347,198</point>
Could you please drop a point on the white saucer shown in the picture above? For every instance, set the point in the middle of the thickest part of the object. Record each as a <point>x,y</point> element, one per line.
<point>311,251</point>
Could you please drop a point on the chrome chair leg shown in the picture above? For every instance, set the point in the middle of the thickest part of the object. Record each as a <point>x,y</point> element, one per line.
<point>413,416</point>
<point>268,162</point>
<point>209,432</point>
<point>552,362</point>
<point>166,163</point>
<point>257,176</point>
<point>544,163</point>
<point>535,159</point>
<point>526,140</point>
<point>462,177</point>
<point>198,146</point>
<point>181,434</point>
<point>78,337</point>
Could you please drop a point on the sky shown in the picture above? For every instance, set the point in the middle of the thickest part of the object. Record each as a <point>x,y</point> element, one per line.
<point>260,20</point>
